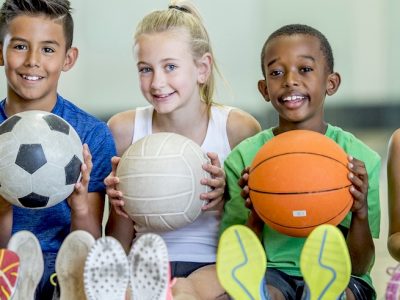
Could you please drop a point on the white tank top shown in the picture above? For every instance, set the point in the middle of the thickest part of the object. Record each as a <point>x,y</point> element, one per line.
<point>196,242</point>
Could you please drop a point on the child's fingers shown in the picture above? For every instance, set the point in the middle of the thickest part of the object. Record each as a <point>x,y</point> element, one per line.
<point>214,183</point>
<point>214,159</point>
<point>242,182</point>
<point>114,163</point>
<point>245,192</point>
<point>214,171</point>
<point>120,211</point>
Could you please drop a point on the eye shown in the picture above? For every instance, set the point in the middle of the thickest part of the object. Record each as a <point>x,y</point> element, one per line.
<point>275,73</point>
<point>171,67</point>
<point>144,70</point>
<point>48,50</point>
<point>306,69</point>
<point>20,47</point>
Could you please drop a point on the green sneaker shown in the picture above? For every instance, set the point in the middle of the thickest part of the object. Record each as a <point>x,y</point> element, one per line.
<point>241,264</point>
<point>325,264</point>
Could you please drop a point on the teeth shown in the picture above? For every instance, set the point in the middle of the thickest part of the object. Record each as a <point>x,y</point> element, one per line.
<point>293,98</point>
<point>31,77</point>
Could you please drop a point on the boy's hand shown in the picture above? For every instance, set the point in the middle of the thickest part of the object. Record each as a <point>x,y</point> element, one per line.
<point>359,178</point>
<point>216,182</point>
<point>254,221</point>
<point>78,199</point>
<point>5,206</point>
<point>114,195</point>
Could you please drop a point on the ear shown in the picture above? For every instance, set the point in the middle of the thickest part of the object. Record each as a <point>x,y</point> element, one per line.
<point>262,87</point>
<point>333,83</point>
<point>204,68</point>
<point>1,55</point>
<point>70,58</point>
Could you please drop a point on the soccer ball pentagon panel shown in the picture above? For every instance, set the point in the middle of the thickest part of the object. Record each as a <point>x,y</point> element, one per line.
<point>40,159</point>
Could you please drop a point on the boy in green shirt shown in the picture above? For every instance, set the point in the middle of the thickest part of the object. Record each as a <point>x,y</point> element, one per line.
<point>297,65</point>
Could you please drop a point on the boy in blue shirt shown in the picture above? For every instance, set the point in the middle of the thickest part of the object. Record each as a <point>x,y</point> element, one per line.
<point>35,47</point>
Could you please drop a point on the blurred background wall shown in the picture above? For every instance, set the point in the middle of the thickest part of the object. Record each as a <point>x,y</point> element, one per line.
<point>364,34</point>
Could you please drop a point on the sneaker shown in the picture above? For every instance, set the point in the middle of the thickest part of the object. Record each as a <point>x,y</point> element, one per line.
<point>392,289</point>
<point>70,262</point>
<point>9,268</point>
<point>241,264</point>
<point>27,246</point>
<point>150,270</point>
<point>325,263</point>
<point>106,270</point>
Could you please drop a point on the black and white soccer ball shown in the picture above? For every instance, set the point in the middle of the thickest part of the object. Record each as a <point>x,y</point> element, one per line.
<point>40,159</point>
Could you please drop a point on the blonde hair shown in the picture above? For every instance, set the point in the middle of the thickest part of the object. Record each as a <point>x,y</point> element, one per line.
<point>182,14</point>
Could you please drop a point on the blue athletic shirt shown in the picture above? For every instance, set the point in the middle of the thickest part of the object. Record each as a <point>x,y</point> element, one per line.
<point>51,225</point>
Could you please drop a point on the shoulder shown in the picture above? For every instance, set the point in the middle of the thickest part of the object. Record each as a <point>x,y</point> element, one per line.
<point>240,125</point>
<point>122,127</point>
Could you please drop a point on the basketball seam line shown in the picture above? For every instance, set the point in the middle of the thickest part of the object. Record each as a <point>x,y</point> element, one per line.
<point>298,193</point>
<point>289,153</point>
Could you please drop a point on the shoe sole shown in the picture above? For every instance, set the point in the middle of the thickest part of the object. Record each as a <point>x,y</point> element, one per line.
<point>325,263</point>
<point>149,263</point>
<point>241,263</point>
<point>70,263</point>
<point>9,268</point>
<point>106,271</point>
<point>27,247</point>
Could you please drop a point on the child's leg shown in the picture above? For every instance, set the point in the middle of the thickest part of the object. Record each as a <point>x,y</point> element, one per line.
<point>201,284</point>
<point>325,263</point>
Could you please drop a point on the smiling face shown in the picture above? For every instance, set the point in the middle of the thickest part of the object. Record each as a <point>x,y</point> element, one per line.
<point>168,73</point>
<point>33,54</point>
<point>297,81</point>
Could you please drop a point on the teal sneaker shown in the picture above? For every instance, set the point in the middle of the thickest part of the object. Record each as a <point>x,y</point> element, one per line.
<point>325,264</point>
<point>241,264</point>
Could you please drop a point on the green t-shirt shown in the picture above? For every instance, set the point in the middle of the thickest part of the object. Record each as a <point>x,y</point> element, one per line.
<point>283,252</point>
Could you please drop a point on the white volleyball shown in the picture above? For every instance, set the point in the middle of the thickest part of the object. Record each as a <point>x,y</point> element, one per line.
<point>160,179</point>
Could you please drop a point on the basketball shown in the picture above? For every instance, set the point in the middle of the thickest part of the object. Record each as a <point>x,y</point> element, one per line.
<point>298,180</point>
<point>40,159</point>
<point>159,176</point>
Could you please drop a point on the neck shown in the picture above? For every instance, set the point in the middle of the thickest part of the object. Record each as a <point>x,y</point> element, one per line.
<point>191,123</point>
<point>15,104</point>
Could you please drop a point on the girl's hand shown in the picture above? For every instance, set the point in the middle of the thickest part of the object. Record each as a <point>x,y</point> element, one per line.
<point>78,199</point>
<point>114,195</point>
<point>359,178</point>
<point>216,182</point>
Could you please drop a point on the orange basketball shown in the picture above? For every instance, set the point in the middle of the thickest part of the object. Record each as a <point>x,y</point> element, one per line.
<point>298,180</point>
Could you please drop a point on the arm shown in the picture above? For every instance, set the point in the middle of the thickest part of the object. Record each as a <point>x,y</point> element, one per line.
<point>86,208</point>
<point>119,225</point>
<point>6,219</point>
<point>240,125</point>
<point>393,177</point>
<point>359,238</point>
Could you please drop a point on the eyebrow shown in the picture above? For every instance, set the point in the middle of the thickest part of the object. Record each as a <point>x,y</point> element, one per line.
<point>302,56</point>
<point>19,39</point>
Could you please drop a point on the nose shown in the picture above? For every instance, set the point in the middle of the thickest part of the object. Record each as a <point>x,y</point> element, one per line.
<point>32,58</point>
<point>158,80</point>
<point>291,79</point>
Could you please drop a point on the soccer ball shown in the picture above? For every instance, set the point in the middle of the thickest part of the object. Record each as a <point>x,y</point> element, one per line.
<point>40,159</point>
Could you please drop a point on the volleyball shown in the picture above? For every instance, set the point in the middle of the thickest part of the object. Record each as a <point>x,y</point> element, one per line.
<point>159,176</point>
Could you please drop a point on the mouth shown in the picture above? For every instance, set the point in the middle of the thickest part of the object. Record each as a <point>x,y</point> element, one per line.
<point>31,77</point>
<point>162,96</point>
<point>293,101</point>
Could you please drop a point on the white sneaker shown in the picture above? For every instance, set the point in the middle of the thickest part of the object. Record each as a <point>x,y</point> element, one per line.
<point>70,263</point>
<point>9,269</point>
<point>106,271</point>
<point>150,273</point>
<point>27,246</point>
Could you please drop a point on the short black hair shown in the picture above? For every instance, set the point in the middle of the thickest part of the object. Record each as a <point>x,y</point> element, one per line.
<point>53,9</point>
<point>293,29</point>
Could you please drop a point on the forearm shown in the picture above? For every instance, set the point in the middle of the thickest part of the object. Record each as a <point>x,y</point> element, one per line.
<point>120,228</point>
<point>89,217</point>
<point>361,245</point>
<point>6,219</point>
